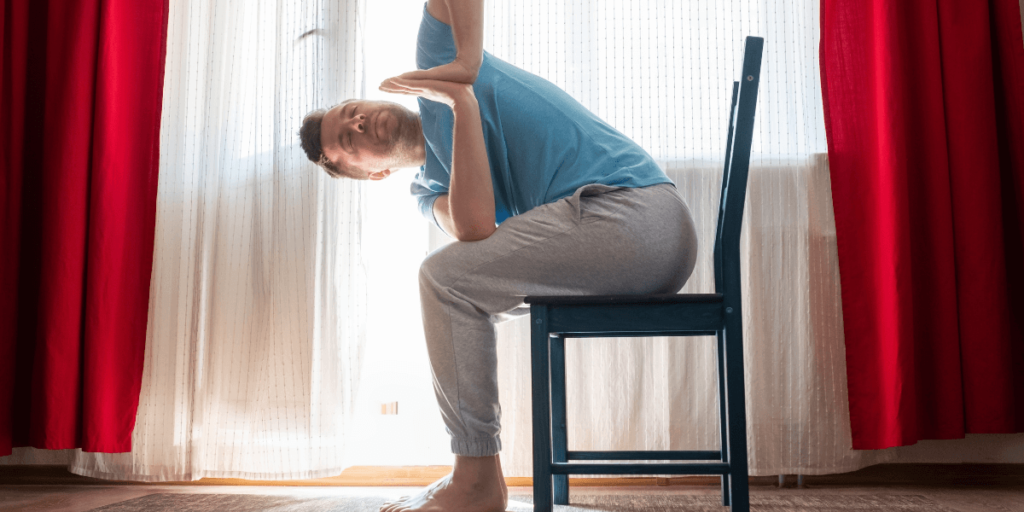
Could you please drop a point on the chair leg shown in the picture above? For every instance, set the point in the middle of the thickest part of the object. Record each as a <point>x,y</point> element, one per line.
<point>723,415</point>
<point>542,499</point>
<point>559,438</point>
<point>739,492</point>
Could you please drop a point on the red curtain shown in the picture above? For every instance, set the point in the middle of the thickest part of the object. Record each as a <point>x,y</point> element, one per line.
<point>82,84</point>
<point>924,112</point>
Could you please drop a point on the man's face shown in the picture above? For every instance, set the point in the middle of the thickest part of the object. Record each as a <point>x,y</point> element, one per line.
<point>373,136</point>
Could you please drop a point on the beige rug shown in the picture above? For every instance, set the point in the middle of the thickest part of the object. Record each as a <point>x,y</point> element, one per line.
<point>520,503</point>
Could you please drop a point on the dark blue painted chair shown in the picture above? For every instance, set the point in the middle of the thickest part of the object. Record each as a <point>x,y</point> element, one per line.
<point>553,319</point>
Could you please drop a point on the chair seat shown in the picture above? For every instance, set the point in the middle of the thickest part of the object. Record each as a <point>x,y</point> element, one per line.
<point>600,300</point>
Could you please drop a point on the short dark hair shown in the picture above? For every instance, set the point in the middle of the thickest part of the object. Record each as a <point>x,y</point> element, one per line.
<point>309,136</point>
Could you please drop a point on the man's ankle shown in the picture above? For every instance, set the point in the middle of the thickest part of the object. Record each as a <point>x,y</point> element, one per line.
<point>475,470</point>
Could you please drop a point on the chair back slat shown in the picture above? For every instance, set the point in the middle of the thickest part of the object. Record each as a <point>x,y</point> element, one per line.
<point>725,188</point>
<point>737,165</point>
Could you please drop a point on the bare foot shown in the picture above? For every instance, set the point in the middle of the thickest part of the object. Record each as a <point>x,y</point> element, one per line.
<point>474,485</point>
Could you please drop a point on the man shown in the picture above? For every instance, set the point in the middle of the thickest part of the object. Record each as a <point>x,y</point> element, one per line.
<point>543,197</point>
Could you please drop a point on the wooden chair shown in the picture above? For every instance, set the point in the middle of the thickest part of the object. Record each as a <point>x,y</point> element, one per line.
<point>555,318</point>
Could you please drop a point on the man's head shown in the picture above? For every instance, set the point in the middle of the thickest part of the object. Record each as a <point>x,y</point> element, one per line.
<point>363,139</point>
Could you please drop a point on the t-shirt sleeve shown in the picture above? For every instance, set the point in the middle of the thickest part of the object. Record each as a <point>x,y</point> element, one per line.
<point>426,189</point>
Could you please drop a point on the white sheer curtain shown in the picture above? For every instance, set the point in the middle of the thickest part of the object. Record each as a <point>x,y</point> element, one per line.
<point>284,306</point>
<point>258,300</point>
<point>257,308</point>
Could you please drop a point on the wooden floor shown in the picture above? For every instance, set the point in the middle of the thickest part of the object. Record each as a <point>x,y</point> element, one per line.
<point>965,488</point>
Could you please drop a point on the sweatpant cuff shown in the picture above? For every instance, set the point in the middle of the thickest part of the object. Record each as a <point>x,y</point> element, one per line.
<point>476,446</point>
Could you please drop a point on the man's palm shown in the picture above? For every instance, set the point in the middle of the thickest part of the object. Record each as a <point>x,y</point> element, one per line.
<point>435,90</point>
<point>455,71</point>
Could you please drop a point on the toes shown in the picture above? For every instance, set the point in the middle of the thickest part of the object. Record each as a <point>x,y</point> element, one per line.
<point>392,505</point>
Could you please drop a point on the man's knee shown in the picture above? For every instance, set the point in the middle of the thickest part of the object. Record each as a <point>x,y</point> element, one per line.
<point>436,270</point>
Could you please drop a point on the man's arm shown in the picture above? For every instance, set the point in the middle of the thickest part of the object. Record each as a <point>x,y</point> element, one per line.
<point>467,211</point>
<point>466,17</point>
<point>468,207</point>
<point>467,21</point>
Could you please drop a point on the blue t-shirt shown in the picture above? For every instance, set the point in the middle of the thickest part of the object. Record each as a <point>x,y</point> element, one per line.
<point>541,143</point>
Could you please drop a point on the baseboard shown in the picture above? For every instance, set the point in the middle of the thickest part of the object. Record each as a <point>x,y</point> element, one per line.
<point>386,476</point>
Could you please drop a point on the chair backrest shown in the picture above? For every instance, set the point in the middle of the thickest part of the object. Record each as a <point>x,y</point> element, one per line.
<point>734,178</point>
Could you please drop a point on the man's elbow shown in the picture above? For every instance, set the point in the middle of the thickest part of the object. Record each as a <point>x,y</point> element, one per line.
<point>475,234</point>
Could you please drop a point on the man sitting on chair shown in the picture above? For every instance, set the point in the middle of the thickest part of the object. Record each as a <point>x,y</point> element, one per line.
<point>544,198</point>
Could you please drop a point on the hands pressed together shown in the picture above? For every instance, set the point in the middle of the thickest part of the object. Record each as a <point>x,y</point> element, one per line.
<point>448,83</point>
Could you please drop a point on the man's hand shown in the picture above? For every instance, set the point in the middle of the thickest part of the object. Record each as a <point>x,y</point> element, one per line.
<point>459,70</point>
<point>435,90</point>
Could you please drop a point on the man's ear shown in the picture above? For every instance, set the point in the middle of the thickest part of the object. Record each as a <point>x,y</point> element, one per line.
<point>379,175</point>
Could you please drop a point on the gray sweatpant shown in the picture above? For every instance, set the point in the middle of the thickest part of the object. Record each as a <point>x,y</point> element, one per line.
<point>601,240</point>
